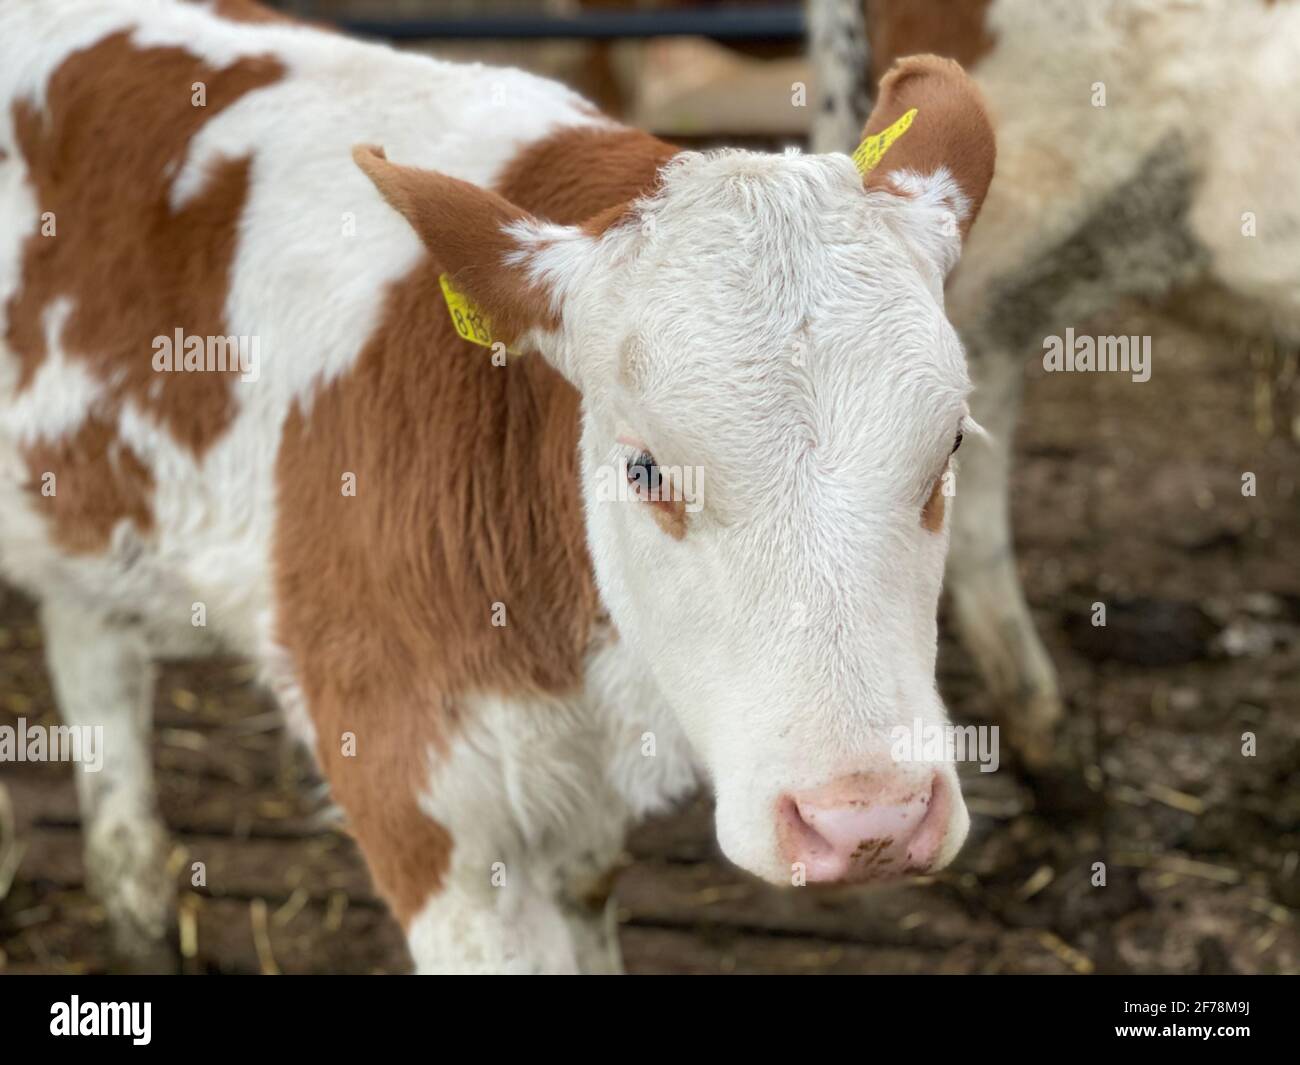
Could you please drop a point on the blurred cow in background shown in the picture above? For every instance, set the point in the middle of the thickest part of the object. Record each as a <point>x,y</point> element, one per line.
<point>1119,175</point>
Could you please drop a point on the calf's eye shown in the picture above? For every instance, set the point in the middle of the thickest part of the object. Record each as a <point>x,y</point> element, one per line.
<point>643,475</point>
<point>956,444</point>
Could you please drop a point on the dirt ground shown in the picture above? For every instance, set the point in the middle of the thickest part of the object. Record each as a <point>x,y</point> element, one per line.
<point>1126,493</point>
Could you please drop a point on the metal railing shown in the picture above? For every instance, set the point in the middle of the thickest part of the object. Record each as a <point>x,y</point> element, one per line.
<point>775,22</point>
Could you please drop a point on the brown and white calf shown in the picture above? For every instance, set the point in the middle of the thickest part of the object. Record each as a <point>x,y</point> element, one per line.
<point>1146,149</point>
<point>451,562</point>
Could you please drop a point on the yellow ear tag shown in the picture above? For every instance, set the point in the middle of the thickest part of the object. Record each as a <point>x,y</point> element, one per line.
<point>470,322</point>
<point>873,149</point>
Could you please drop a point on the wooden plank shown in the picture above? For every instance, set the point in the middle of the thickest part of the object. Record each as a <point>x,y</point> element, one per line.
<point>67,935</point>
<point>319,865</point>
<point>719,896</point>
<point>690,951</point>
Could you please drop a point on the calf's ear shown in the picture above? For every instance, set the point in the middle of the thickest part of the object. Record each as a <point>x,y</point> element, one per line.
<point>940,148</point>
<point>510,266</point>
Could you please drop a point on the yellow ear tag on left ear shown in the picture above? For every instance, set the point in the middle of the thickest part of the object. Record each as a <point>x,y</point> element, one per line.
<point>873,148</point>
<point>470,322</point>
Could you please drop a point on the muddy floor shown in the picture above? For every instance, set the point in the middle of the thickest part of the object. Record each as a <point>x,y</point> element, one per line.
<point>1125,493</point>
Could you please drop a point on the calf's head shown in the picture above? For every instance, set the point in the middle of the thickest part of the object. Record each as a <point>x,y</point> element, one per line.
<point>772,396</point>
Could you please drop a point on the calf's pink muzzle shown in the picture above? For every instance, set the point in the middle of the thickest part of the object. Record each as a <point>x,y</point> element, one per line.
<point>866,827</point>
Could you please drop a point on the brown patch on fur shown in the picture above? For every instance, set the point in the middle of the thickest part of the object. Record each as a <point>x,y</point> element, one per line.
<point>98,482</point>
<point>951,128</point>
<point>956,29</point>
<point>101,156</point>
<point>932,512</point>
<point>670,515</point>
<point>575,167</point>
<point>467,496</point>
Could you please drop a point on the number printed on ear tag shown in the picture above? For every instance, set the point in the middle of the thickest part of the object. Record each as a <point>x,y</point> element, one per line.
<point>873,148</point>
<point>470,322</point>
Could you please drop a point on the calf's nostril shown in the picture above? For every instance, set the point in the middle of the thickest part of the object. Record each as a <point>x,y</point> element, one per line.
<point>925,844</point>
<point>801,837</point>
<point>859,830</point>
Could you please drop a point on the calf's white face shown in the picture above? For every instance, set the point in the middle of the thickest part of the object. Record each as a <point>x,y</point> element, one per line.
<point>772,396</point>
<point>779,367</point>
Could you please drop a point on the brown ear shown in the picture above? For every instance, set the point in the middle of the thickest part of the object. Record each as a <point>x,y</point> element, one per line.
<point>951,129</point>
<point>465,227</point>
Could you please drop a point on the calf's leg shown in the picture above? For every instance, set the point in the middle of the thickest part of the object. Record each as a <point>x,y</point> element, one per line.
<point>485,923</point>
<point>488,838</point>
<point>508,906</point>
<point>102,674</point>
<point>993,620</point>
<point>587,905</point>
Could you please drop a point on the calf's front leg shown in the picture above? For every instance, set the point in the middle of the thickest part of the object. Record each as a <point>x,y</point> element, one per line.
<point>491,845</point>
<point>515,919</point>
<point>103,678</point>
